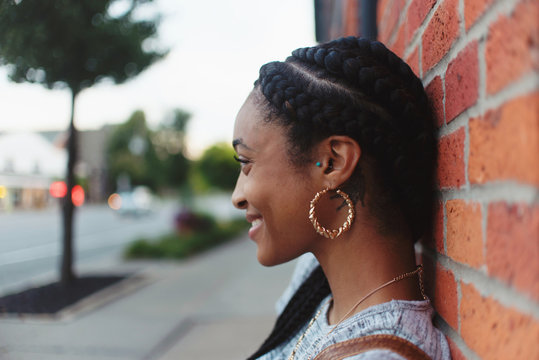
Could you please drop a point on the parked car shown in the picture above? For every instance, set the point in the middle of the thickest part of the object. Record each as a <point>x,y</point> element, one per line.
<point>135,202</point>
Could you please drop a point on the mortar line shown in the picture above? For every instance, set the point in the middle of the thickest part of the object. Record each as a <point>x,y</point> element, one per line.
<point>421,29</point>
<point>478,30</point>
<point>459,302</point>
<point>444,224</point>
<point>441,324</point>
<point>486,286</point>
<point>509,191</point>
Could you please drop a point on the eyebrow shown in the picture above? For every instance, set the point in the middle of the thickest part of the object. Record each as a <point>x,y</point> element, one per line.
<point>239,142</point>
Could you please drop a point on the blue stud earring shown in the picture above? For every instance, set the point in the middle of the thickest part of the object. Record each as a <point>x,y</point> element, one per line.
<point>319,164</point>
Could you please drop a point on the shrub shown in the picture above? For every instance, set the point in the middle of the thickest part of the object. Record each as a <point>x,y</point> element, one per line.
<point>187,221</point>
<point>182,245</point>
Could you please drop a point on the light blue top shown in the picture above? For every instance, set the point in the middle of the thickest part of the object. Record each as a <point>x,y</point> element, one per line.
<point>411,320</point>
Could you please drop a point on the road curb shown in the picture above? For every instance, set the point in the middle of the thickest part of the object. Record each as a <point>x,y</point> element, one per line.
<point>132,283</point>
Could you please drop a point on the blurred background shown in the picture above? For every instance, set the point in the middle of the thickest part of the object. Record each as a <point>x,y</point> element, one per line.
<point>117,236</point>
<point>116,166</point>
<point>153,118</point>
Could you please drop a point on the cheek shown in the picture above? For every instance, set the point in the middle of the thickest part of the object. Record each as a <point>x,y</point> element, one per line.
<point>256,190</point>
<point>290,213</point>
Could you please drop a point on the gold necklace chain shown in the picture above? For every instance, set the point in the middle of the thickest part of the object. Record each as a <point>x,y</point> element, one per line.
<point>418,270</point>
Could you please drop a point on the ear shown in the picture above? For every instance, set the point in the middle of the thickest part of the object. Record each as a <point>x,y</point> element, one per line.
<point>340,156</point>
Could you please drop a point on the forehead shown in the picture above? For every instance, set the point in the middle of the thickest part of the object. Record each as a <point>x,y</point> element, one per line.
<point>249,119</point>
<point>252,132</point>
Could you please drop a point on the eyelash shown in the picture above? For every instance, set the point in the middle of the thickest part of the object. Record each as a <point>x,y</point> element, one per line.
<point>241,161</point>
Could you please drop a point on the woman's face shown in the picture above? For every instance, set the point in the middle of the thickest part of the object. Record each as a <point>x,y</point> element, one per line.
<point>274,193</point>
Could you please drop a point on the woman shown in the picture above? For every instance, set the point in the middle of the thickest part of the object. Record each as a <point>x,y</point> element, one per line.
<point>337,152</point>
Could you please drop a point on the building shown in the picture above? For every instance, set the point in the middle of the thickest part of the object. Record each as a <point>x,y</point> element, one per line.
<point>29,163</point>
<point>92,162</point>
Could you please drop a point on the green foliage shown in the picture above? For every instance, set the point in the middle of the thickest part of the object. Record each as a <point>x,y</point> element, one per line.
<point>169,142</point>
<point>197,183</point>
<point>76,44</point>
<point>152,158</point>
<point>130,152</point>
<point>218,168</point>
<point>73,42</point>
<point>180,246</point>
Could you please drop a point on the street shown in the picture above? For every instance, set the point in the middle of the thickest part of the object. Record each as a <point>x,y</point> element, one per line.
<point>30,240</point>
<point>219,304</point>
<point>30,245</point>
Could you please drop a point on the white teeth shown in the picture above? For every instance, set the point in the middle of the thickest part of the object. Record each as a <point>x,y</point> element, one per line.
<point>256,222</point>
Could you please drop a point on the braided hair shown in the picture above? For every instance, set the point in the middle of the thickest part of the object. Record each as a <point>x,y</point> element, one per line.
<point>358,88</point>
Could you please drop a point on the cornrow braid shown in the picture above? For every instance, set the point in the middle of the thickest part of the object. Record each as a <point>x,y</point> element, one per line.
<point>358,88</point>
<point>300,307</point>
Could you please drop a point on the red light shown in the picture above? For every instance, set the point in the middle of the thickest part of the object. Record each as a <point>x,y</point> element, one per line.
<point>58,189</point>
<point>77,195</point>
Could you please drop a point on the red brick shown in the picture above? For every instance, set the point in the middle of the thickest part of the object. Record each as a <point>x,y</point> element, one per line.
<point>390,20</point>
<point>462,82</point>
<point>435,92</point>
<point>504,143</point>
<point>441,288</point>
<point>473,9</point>
<point>494,331</point>
<point>381,11</point>
<point>417,12</point>
<point>445,296</point>
<point>450,172</point>
<point>456,354</point>
<point>513,245</point>
<point>439,228</point>
<point>464,236</point>
<point>435,240</point>
<point>398,45</point>
<point>350,16</point>
<point>512,43</point>
<point>440,33</point>
<point>413,61</point>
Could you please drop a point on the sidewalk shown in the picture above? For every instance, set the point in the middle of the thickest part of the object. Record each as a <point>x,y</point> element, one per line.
<point>219,305</point>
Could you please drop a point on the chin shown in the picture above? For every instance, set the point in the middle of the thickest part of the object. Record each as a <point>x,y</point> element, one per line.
<point>270,260</point>
<point>265,261</point>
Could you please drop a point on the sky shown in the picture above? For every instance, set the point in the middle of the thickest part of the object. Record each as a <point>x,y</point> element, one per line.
<point>216,48</point>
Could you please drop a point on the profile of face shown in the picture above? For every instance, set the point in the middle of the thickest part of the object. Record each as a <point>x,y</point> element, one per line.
<point>382,117</point>
<point>274,193</point>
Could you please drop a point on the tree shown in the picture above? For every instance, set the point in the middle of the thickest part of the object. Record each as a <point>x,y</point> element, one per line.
<point>218,167</point>
<point>152,158</point>
<point>74,44</point>
<point>169,141</point>
<point>130,152</point>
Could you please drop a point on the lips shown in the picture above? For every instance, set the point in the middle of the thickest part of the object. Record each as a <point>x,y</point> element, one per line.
<point>256,223</point>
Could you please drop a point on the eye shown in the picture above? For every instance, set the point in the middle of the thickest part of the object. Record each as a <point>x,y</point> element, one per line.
<point>244,162</point>
<point>241,160</point>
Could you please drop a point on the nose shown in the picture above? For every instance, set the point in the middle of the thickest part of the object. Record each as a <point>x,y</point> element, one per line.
<point>238,197</point>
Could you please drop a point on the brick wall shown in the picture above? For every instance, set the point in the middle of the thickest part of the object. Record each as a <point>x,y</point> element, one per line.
<point>478,60</point>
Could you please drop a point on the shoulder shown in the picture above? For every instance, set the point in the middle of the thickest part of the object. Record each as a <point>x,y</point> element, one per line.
<point>410,320</point>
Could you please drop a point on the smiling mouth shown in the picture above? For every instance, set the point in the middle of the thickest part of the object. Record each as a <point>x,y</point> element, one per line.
<point>255,226</point>
<point>256,223</point>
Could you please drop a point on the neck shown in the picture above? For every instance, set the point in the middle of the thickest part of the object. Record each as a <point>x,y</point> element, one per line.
<point>360,261</point>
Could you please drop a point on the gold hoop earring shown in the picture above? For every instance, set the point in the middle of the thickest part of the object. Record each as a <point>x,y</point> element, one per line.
<point>331,234</point>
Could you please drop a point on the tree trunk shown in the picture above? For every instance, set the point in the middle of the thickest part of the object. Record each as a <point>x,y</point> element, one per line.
<point>66,272</point>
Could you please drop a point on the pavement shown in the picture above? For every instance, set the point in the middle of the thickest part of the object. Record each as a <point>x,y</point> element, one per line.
<point>218,305</point>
